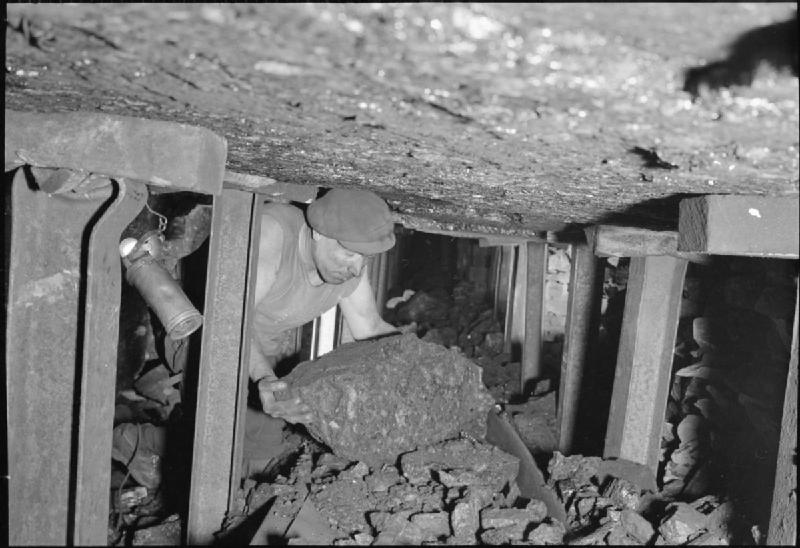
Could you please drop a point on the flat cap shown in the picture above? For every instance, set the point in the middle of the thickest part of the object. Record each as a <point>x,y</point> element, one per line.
<point>358,219</point>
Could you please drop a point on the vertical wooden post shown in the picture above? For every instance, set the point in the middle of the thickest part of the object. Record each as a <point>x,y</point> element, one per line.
<point>505,291</point>
<point>494,277</point>
<point>644,360</point>
<point>223,368</point>
<point>583,311</point>
<point>393,260</point>
<point>98,371</point>
<point>783,517</point>
<point>378,279</point>
<point>518,302</point>
<point>531,366</point>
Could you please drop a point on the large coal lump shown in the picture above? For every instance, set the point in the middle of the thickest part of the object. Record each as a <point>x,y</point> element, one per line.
<point>374,400</point>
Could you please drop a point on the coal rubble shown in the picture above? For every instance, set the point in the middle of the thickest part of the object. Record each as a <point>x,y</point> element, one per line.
<point>612,502</point>
<point>464,492</point>
<point>460,491</point>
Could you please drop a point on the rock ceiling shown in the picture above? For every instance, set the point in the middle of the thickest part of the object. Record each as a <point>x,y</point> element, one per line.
<point>490,117</point>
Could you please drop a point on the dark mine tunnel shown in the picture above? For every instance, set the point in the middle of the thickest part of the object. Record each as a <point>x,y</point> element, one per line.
<point>398,274</point>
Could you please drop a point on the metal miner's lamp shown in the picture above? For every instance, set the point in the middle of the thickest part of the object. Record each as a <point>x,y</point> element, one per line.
<point>159,289</point>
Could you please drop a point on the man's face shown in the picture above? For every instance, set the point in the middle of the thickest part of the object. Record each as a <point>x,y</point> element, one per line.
<point>335,263</point>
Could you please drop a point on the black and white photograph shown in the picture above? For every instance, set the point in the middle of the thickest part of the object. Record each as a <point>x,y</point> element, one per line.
<point>370,274</point>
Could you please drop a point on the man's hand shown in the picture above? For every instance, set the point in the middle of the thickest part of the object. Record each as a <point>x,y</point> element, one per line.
<point>292,410</point>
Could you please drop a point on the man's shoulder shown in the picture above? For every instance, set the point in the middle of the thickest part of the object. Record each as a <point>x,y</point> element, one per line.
<point>283,213</point>
<point>279,221</point>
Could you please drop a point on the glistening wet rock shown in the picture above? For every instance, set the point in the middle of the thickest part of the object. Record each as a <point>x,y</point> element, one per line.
<point>374,400</point>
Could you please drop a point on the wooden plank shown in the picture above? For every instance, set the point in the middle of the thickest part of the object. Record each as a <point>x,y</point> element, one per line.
<point>393,264</point>
<point>494,272</point>
<point>455,230</point>
<point>494,241</point>
<point>221,370</point>
<point>583,320</point>
<point>42,354</point>
<point>241,402</point>
<point>270,188</point>
<point>644,359</point>
<point>536,268</point>
<point>783,517</point>
<point>755,226</point>
<point>378,278</point>
<point>627,241</point>
<point>505,291</point>
<point>166,154</point>
<point>516,331</point>
<point>98,373</point>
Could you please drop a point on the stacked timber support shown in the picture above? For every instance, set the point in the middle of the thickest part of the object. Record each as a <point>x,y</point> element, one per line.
<point>754,226</point>
<point>518,269</point>
<point>80,179</point>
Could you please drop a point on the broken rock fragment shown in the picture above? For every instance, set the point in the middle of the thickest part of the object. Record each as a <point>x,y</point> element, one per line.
<point>623,493</point>
<point>636,526</point>
<point>463,462</point>
<point>547,533</point>
<point>465,521</point>
<point>682,524</point>
<point>375,400</point>
<point>432,524</point>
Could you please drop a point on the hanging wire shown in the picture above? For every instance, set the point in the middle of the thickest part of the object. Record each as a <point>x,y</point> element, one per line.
<point>162,220</point>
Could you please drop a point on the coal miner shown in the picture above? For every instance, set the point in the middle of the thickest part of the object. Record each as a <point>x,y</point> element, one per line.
<point>306,265</point>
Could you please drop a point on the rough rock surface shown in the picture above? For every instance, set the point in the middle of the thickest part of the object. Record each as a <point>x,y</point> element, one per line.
<point>512,117</point>
<point>354,505</point>
<point>458,463</point>
<point>373,401</point>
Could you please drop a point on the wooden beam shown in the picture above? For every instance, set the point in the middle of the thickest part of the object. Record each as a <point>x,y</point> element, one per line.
<point>98,371</point>
<point>494,241</point>
<point>756,226</point>
<point>236,476</point>
<point>783,517</point>
<point>628,241</point>
<point>531,365</point>
<point>504,292</point>
<point>644,359</point>
<point>223,369</point>
<point>270,188</point>
<point>457,230</point>
<point>583,320</point>
<point>516,331</point>
<point>165,154</point>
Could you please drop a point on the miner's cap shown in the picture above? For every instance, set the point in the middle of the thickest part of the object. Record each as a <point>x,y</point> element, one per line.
<point>358,219</point>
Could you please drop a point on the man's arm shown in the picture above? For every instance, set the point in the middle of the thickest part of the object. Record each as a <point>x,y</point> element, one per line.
<point>361,312</point>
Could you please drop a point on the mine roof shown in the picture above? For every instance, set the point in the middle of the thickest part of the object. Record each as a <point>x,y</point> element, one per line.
<point>491,117</point>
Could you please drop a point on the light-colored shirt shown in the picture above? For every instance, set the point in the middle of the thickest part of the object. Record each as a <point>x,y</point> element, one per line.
<point>297,294</point>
